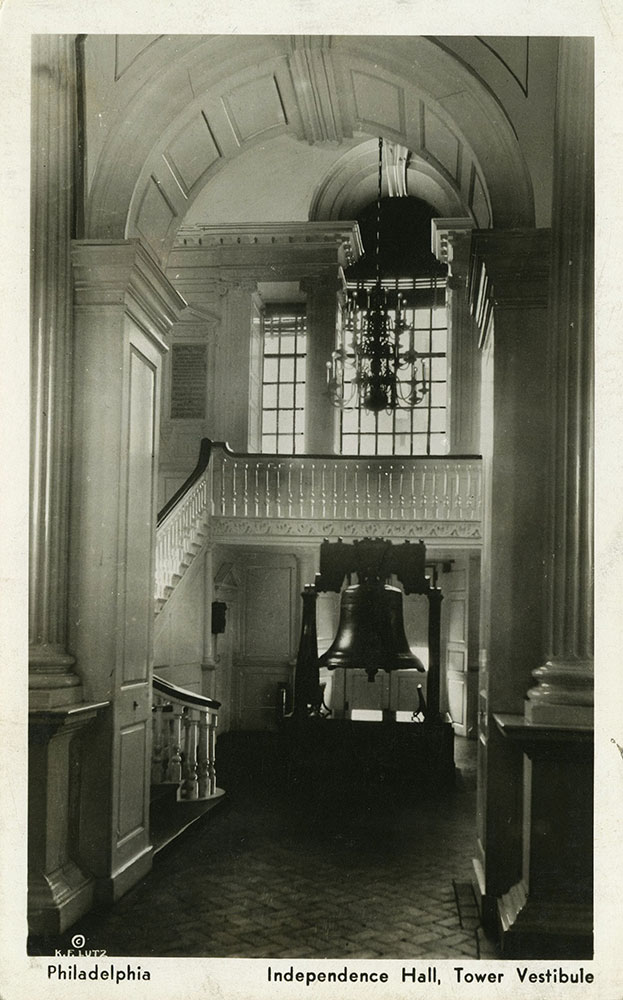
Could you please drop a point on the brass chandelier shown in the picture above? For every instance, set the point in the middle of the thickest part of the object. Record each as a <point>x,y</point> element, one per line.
<point>382,345</point>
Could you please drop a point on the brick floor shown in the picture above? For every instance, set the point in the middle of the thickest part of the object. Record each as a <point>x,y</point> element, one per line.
<point>271,876</point>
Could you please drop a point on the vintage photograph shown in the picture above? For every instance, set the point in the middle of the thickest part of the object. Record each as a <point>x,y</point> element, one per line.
<point>311,500</point>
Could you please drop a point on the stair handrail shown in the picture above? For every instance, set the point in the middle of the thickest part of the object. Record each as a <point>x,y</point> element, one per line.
<point>182,695</point>
<point>205,450</point>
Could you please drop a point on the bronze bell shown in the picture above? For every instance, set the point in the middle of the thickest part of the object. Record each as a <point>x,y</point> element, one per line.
<point>371,632</point>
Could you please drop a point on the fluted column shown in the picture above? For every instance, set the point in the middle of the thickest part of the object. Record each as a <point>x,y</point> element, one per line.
<point>564,690</point>
<point>322,311</point>
<point>52,680</point>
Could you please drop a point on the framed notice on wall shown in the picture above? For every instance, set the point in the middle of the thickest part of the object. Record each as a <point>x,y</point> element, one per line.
<point>188,381</point>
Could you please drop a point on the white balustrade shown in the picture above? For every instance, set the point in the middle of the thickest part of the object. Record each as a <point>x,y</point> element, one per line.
<point>180,534</point>
<point>184,744</point>
<point>307,488</point>
<point>310,488</point>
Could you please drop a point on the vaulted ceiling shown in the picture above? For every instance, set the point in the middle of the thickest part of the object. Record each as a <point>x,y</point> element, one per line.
<point>228,129</point>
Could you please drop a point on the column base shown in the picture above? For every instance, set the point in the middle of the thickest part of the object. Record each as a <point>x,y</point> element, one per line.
<point>564,694</point>
<point>52,681</point>
<point>543,929</point>
<point>56,900</point>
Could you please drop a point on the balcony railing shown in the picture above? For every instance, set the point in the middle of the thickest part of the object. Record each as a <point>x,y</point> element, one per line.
<point>231,495</point>
<point>345,488</point>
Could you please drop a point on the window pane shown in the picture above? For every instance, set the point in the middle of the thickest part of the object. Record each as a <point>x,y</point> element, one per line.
<point>287,343</point>
<point>384,444</point>
<point>438,420</point>
<point>438,444</point>
<point>269,442</point>
<point>420,420</point>
<point>271,370</point>
<point>286,396</point>
<point>438,369</point>
<point>269,399</point>
<point>438,393</point>
<point>350,420</point>
<point>349,444</point>
<point>419,444</point>
<point>440,317</point>
<point>367,444</point>
<point>286,370</point>
<point>440,341</point>
<point>269,422</point>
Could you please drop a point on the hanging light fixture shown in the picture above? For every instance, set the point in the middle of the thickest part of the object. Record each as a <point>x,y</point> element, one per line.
<point>369,367</point>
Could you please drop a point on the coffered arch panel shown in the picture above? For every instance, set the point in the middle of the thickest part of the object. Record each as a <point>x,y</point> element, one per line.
<point>188,108</point>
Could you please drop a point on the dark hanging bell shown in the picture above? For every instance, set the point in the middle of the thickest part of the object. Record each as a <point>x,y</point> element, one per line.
<point>371,634</point>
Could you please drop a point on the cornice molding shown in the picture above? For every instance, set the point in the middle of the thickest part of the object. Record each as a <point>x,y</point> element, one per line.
<point>509,269</point>
<point>344,235</point>
<point>447,234</point>
<point>125,274</point>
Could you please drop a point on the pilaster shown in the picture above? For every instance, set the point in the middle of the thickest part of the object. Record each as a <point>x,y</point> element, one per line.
<point>451,243</point>
<point>124,310</point>
<point>322,317</point>
<point>508,285</point>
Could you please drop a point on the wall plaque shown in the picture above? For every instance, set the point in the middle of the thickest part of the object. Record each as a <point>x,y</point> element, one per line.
<point>188,381</point>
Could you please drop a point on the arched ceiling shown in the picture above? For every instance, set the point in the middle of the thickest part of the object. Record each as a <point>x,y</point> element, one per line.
<point>268,128</point>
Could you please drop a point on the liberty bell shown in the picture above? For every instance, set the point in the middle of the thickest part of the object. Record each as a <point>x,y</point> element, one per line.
<point>370,634</point>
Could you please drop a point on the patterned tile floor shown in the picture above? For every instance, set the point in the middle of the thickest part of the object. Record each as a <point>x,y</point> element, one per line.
<point>264,876</point>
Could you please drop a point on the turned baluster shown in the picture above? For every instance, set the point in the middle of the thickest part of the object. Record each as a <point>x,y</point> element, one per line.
<point>368,495</point>
<point>312,494</point>
<point>401,495</point>
<point>445,500</point>
<point>301,492</point>
<point>203,755</point>
<point>345,486</point>
<point>323,491</point>
<point>290,490</point>
<point>223,495</point>
<point>469,496</point>
<point>379,491</point>
<point>267,490</point>
<point>356,489</point>
<point>424,494</point>
<point>157,747</point>
<point>256,487</point>
<point>278,488</point>
<point>212,724</point>
<point>174,767</point>
<point>189,786</point>
<point>334,492</point>
<point>245,490</point>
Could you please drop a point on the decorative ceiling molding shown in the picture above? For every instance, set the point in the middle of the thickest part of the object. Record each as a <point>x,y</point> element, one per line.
<point>395,159</point>
<point>250,90</point>
<point>316,91</point>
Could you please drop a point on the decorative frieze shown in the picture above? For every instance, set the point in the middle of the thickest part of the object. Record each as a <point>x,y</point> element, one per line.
<point>228,529</point>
